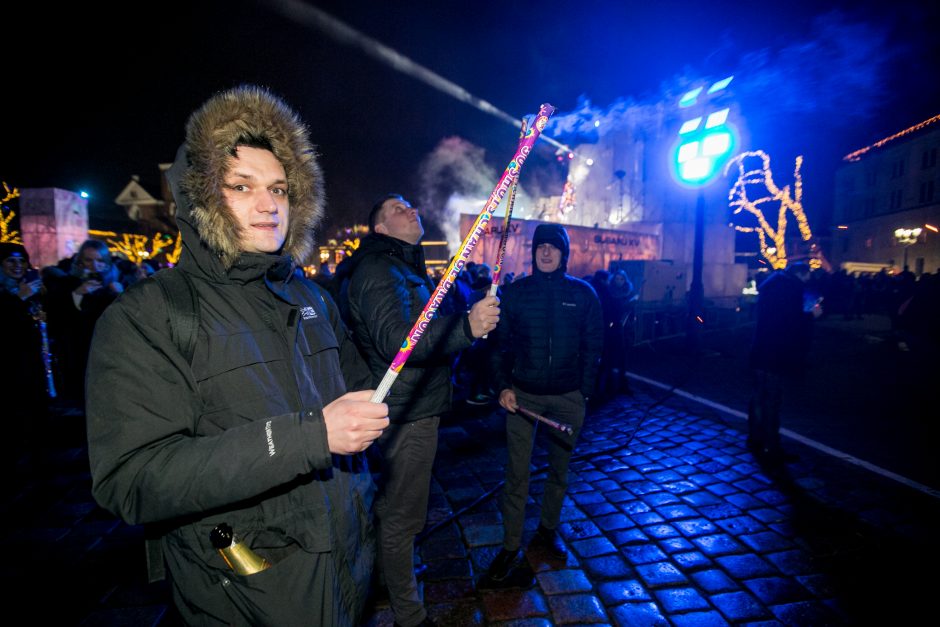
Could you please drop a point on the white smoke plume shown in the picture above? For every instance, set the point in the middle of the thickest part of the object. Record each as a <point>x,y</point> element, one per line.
<point>453,179</point>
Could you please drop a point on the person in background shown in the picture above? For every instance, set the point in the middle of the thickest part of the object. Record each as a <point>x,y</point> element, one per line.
<point>778,355</point>
<point>623,297</point>
<point>75,304</point>
<point>388,287</point>
<point>23,386</point>
<point>548,343</point>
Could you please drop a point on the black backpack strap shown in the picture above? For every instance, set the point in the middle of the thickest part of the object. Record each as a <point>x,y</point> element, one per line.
<point>183,307</point>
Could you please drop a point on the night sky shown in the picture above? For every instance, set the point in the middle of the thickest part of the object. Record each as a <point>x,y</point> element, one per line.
<point>91,99</point>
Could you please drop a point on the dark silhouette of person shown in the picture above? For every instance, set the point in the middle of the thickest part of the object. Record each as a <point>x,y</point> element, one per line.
<point>778,354</point>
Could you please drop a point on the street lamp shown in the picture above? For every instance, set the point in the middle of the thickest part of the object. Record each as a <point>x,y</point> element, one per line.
<point>906,238</point>
<point>706,140</point>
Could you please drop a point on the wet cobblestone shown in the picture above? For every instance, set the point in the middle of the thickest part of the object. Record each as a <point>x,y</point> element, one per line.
<point>679,528</point>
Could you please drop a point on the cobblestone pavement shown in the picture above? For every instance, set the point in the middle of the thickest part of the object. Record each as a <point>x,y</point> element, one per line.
<point>668,521</point>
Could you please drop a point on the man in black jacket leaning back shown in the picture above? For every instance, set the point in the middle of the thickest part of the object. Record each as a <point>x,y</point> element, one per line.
<point>387,289</point>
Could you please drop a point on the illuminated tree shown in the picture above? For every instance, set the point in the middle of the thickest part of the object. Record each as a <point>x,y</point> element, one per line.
<point>136,247</point>
<point>772,236</point>
<point>173,257</point>
<point>7,233</point>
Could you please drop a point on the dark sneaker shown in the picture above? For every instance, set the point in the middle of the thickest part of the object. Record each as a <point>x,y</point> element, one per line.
<point>548,540</point>
<point>506,572</point>
<point>502,564</point>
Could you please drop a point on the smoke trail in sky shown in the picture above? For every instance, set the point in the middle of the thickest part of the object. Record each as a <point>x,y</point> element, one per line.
<point>587,122</point>
<point>837,73</point>
<point>343,33</point>
<point>840,71</point>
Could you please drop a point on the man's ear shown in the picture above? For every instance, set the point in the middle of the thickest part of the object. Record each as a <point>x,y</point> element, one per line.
<point>381,228</point>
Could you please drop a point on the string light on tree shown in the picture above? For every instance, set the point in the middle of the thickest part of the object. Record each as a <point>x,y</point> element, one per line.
<point>7,233</point>
<point>173,257</point>
<point>771,236</point>
<point>136,247</point>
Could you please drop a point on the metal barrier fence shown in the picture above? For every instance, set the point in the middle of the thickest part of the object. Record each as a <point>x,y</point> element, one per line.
<point>657,321</point>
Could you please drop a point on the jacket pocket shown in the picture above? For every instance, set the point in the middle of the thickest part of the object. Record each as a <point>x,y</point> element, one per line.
<point>237,370</point>
<point>299,590</point>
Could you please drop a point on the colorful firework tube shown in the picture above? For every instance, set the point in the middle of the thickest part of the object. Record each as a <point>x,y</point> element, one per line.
<point>498,264</point>
<point>460,260</point>
<point>504,236</point>
<point>564,427</point>
<point>494,286</point>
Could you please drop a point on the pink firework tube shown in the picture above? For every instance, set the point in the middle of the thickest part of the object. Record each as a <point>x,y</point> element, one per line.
<point>504,236</point>
<point>460,260</point>
<point>497,266</point>
<point>564,427</point>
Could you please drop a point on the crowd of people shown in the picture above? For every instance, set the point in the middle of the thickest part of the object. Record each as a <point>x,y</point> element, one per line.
<point>260,425</point>
<point>49,316</point>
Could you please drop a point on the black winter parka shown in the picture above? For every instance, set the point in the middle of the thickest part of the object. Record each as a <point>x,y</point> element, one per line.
<point>238,435</point>
<point>550,335</point>
<point>387,291</point>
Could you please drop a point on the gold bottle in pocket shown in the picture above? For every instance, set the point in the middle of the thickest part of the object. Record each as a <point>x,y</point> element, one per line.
<point>238,556</point>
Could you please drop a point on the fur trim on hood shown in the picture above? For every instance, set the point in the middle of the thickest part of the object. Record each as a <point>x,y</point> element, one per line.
<point>249,113</point>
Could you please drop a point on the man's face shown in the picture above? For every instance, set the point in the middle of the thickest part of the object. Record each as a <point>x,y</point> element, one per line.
<point>15,266</point>
<point>90,260</point>
<point>400,220</point>
<point>255,190</point>
<point>547,258</point>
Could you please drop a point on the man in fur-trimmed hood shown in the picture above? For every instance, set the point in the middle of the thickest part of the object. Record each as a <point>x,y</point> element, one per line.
<point>247,116</point>
<point>253,427</point>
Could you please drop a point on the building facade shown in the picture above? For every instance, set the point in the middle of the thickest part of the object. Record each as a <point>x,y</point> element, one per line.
<point>887,203</point>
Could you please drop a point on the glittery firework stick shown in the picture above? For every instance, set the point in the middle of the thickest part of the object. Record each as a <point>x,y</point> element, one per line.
<point>504,236</point>
<point>564,427</point>
<point>460,260</point>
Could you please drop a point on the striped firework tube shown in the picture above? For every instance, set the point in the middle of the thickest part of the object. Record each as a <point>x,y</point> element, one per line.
<point>561,426</point>
<point>460,260</point>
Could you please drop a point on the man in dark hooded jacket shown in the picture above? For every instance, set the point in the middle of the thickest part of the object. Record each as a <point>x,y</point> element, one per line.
<point>388,287</point>
<point>548,348</point>
<point>258,430</point>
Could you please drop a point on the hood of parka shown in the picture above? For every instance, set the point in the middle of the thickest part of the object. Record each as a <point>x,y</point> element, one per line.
<point>243,114</point>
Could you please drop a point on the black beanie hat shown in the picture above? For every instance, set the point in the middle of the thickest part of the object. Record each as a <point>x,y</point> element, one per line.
<point>8,249</point>
<point>557,236</point>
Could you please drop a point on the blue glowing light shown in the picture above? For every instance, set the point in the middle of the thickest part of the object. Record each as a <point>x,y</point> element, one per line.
<point>690,125</point>
<point>698,169</point>
<point>690,97</point>
<point>687,152</point>
<point>716,119</point>
<point>716,145</point>
<point>702,149</point>
<point>719,85</point>
<point>83,194</point>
